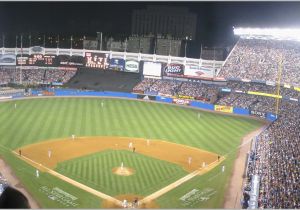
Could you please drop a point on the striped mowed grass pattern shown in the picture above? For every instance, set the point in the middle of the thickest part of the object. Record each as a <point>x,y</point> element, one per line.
<point>42,119</point>
<point>95,171</point>
<point>50,118</point>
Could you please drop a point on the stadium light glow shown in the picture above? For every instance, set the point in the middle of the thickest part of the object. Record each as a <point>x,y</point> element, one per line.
<point>269,33</point>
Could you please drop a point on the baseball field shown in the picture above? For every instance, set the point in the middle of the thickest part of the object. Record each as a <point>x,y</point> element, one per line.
<point>163,155</point>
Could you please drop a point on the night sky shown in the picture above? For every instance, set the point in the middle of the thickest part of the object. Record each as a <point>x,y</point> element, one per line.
<point>215,19</point>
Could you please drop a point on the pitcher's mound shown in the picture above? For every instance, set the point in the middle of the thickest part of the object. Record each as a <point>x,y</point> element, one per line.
<point>123,171</point>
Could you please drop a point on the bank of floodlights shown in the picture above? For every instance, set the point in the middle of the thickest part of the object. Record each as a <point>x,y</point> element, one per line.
<point>269,33</point>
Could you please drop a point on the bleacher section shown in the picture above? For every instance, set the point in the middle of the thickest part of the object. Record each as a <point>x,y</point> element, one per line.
<point>104,80</point>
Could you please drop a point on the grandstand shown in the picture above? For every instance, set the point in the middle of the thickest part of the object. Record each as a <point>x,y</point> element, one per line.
<point>247,83</point>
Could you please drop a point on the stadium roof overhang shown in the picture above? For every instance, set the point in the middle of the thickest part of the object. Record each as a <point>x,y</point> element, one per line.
<point>268,33</point>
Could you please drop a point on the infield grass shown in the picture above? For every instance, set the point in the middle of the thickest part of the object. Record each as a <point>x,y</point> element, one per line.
<point>96,171</point>
<point>50,118</point>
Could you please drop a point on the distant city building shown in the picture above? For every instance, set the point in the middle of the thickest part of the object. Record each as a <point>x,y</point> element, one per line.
<point>168,46</point>
<point>217,54</point>
<point>179,22</point>
<point>114,45</point>
<point>90,44</point>
<point>142,44</point>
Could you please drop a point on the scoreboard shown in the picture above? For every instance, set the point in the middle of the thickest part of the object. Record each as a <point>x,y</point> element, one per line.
<point>37,60</point>
<point>97,60</point>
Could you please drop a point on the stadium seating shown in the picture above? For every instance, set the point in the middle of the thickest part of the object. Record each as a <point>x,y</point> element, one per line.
<point>258,59</point>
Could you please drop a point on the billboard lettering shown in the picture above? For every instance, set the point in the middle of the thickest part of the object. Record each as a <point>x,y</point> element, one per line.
<point>8,60</point>
<point>173,70</point>
<point>181,101</point>
<point>116,64</point>
<point>195,71</point>
<point>132,66</point>
<point>66,60</point>
<point>97,60</point>
<point>226,109</point>
<point>258,114</point>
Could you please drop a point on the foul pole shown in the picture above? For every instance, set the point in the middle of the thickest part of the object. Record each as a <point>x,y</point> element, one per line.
<point>279,72</point>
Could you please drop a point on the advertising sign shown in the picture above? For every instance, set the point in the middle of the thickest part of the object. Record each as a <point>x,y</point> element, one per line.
<point>37,50</point>
<point>258,113</point>
<point>173,70</point>
<point>194,71</point>
<point>116,64</point>
<point>8,60</point>
<point>132,66</point>
<point>226,109</point>
<point>181,101</point>
<point>97,60</point>
<point>152,68</point>
<point>66,60</point>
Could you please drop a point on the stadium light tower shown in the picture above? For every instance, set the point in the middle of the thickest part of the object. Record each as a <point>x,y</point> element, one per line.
<point>187,38</point>
<point>71,41</point>
<point>30,40</point>
<point>269,33</point>
<point>3,38</point>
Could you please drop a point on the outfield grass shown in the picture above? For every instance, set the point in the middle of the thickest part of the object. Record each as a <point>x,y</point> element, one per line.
<point>95,171</point>
<point>43,119</point>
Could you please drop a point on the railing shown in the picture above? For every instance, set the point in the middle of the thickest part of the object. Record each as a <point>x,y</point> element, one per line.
<point>112,54</point>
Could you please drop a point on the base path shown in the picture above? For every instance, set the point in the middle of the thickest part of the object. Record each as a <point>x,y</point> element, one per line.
<point>71,181</point>
<point>175,184</point>
<point>234,190</point>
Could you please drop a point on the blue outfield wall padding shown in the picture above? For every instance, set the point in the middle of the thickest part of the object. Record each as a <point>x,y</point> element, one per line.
<point>202,105</point>
<point>68,92</point>
<point>164,99</point>
<point>241,111</point>
<point>271,117</point>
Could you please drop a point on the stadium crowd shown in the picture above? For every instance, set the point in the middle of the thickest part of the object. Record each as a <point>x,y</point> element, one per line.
<point>199,91</point>
<point>258,59</point>
<point>35,75</point>
<point>276,160</point>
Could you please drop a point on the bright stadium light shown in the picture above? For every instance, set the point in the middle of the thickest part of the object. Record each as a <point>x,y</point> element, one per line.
<point>269,33</point>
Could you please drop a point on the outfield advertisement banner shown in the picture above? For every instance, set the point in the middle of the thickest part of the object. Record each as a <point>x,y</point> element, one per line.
<point>181,101</point>
<point>194,71</point>
<point>152,68</point>
<point>258,114</point>
<point>186,97</point>
<point>97,60</point>
<point>173,70</point>
<point>116,64</point>
<point>132,66</point>
<point>227,109</point>
<point>146,97</point>
<point>8,60</point>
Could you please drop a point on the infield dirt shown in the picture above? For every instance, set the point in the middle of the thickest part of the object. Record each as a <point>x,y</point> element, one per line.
<point>67,149</point>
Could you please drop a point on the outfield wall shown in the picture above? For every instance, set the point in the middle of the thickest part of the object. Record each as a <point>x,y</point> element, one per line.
<point>187,102</point>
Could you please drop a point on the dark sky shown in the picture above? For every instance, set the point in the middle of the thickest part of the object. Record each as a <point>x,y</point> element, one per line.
<point>215,19</point>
